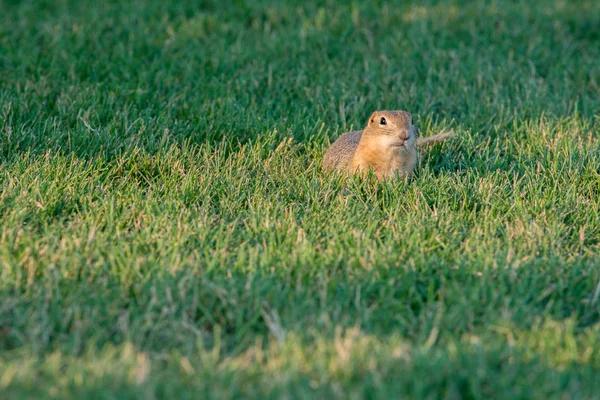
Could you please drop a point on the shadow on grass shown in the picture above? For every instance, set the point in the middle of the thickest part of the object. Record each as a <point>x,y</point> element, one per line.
<point>159,90</point>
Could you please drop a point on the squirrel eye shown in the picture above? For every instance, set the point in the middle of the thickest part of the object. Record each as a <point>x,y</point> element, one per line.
<point>382,121</point>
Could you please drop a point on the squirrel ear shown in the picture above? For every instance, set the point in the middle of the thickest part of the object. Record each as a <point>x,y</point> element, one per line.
<point>372,118</point>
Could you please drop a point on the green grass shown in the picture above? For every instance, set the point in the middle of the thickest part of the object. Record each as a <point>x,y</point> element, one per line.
<point>166,230</point>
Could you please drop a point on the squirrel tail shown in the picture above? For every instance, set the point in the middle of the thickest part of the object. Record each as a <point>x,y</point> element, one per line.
<point>440,137</point>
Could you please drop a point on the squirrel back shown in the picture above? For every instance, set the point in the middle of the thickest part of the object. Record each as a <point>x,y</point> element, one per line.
<point>340,153</point>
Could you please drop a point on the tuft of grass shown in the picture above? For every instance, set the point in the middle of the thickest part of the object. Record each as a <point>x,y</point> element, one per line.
<point>166,229</point>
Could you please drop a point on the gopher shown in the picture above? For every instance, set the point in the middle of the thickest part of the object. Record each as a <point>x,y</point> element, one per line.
<point>387,145</point>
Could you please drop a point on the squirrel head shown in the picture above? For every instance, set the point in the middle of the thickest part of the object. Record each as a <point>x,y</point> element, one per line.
<point>394,128</point>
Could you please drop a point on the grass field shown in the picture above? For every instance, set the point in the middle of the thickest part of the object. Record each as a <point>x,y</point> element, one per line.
<point>166,230</point>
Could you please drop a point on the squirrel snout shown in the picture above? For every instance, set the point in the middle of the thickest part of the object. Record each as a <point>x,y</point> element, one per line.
<point>398,142</point>
<point>404,135</point>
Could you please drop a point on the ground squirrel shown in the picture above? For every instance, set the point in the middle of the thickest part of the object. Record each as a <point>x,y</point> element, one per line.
<point>388,145</point>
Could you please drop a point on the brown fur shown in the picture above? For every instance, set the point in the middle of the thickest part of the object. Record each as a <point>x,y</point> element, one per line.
<point>339,154</point>
<point>388,149</point>
<point>440,137</point>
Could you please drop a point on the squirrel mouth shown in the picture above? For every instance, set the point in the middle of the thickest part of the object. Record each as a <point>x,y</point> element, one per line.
<point>397,144</point>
